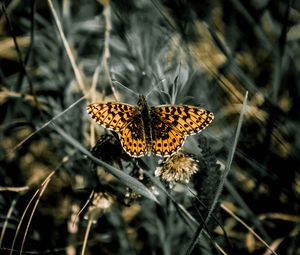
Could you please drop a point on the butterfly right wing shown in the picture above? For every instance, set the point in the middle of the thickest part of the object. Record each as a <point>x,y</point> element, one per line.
<point>166,140</point>
<point>186,119</point>
<point>112,115</point>
<point>171,124</point>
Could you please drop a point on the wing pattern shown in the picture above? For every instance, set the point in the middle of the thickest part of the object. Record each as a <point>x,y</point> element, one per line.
<point>186,119</point>
<point>124,119</point>
<point>165,139</point>
<point>167,129</point>
<point>133,138</point>
<point>112,115</point>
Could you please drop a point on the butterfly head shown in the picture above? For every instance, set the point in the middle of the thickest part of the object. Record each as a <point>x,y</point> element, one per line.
<point>142,104</point>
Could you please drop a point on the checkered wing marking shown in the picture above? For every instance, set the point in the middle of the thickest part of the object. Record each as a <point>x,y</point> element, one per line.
<point>112,115</point>
<point>165,139</point>
<point>133,138</point>
<point>185,119</point>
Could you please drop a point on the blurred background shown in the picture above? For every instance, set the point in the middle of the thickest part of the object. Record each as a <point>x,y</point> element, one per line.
<point>56,57</point>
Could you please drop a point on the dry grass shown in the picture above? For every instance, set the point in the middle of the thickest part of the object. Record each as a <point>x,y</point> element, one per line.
<point>66,185</point>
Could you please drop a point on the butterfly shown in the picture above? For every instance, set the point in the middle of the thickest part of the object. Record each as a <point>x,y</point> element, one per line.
<point>161,130</point>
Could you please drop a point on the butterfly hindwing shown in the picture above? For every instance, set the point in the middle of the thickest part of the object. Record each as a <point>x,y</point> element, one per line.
<point>165,139</point>
<point>112,115</point>
<point>133,138</point>
<point>185,119</point>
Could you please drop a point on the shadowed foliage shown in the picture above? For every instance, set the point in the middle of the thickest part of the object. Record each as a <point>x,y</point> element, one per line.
<point>67,185</point>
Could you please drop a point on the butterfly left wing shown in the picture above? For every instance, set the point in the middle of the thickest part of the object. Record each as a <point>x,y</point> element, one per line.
<point>133,138</point>
<point>112,115</point>
<point>185,119</point>
<point>124,119</point>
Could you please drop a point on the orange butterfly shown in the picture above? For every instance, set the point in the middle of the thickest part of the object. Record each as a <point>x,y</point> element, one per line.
<point>143,129</point>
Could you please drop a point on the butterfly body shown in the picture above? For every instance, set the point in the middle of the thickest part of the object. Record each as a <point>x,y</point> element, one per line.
<point>145,116</point>
<point>161,130</point>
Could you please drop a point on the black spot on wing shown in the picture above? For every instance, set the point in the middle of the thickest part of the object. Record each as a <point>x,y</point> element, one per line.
<point>165,139</point>
<point>133,138</point>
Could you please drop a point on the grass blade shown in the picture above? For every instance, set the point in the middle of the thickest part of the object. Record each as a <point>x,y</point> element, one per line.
<point>126,179</point>
<point>200,230</point>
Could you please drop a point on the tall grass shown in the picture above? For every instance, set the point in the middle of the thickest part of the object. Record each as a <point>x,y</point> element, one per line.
<point>66,185</point>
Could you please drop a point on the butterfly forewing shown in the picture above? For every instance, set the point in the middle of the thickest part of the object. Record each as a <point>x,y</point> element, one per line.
<point>112,115</point>
<point>184,119</point>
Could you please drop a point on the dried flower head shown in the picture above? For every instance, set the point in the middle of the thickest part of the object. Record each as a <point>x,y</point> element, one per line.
<point>178,168</point>
<point>101,203</point>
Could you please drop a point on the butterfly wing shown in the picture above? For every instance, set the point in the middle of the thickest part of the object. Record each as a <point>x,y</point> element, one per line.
<point>165,139</point>
<point>171,124</point>
<point>124,119</point>
<point>133,138</point>
<point>112,115</point>
<point>185,119</point>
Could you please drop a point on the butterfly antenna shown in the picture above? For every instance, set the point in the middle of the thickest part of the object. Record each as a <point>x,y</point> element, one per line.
<point>117,87</point>
<point>154,87</point>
